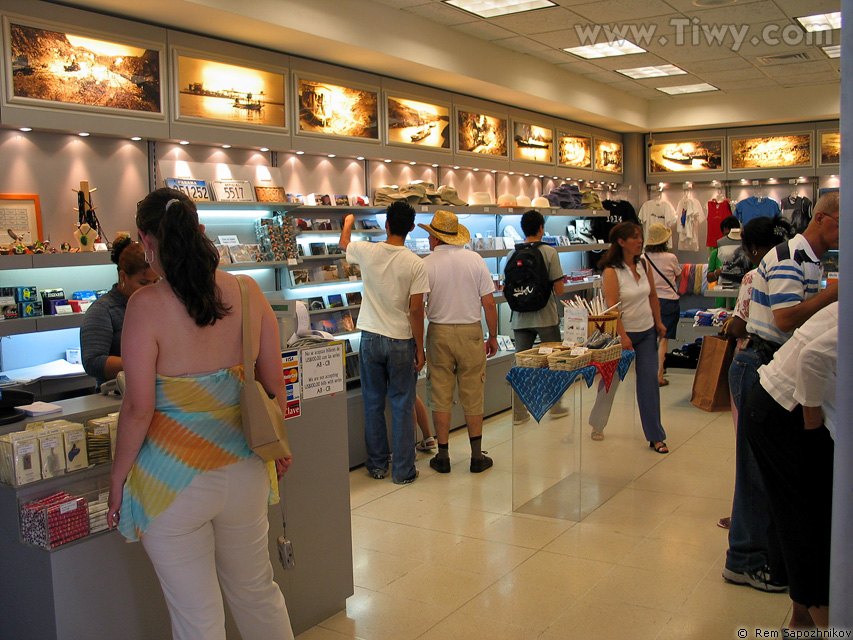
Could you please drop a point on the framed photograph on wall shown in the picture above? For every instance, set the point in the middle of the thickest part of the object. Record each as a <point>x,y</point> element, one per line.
<point>532,143</point>
<point>574,150</point>
<point>227,93</point>
<point>830,147</point>
<point>20,213</point>
<point>686,155</point>
<point>608,156</point>
<point>335,110</point>
<point>48,66</point>
<point>415,122</point>
<point>481,134</point>
<point>771,152</point>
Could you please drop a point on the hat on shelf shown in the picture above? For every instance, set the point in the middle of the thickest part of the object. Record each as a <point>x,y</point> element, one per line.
<point>449,196</point>
<point>566,196</point>
<point>386,195</point>
<point>507,200</point>
<point>541,202</point>
<point>658,234</point>
<point>481,199</point>
<point>522,201</point>
<point>591,200</point>
<point>415,193</point>
<point>428,186</point>
<point>445,226</point>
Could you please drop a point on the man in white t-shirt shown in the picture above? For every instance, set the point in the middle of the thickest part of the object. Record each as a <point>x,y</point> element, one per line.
<point>460,285</point>
<point>391,351</point>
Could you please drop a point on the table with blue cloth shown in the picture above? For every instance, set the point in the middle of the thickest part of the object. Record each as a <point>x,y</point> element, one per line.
<point>539,389</point>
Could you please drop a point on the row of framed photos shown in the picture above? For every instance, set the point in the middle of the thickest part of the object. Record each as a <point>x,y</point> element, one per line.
<point>746,153</point>
<point>54,66</point>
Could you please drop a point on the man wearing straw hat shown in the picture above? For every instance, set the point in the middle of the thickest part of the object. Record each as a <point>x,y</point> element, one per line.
<point>460,284</point>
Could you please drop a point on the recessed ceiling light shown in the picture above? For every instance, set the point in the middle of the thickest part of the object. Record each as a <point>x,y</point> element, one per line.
<point>360,158</point>
<point>83,134</point>
<point>299,153</point>
<point>25,129</point>
<point>605,49</point>
<point>435,166</point>
<point>494,170</point>
<point>832,51</point>
<point>476,169</point>
<point>512,173</point>
<point>821,21</point>
<point>456,168</point>
<point>136,138</point>
<point>494,8</point>
<point>265,149</point>
<point>184,142</point>
<point>387,160</point>
<point>413,163</point>
<point>526,175</point>
<point>331,155</point>
<point>688,88</point>
<point>637,73</point>
<point>226,146</point>
<point>713,3</point>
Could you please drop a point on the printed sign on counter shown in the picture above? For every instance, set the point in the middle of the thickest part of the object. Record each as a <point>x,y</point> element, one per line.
<point>323,370</point>
<point>290,366</point>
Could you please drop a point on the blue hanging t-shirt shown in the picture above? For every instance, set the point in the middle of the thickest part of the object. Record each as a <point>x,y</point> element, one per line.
<point>753,207</point>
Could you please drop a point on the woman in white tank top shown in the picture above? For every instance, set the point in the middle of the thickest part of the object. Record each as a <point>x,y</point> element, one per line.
<point>627,281</point>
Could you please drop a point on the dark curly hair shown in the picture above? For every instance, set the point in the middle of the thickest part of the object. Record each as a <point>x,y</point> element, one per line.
<point>128,256</point>
<point>187,256</point>
<point>766,233</point>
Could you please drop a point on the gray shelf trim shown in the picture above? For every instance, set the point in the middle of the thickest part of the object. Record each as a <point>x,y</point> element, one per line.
<point>337,232</point>
<point>243,266</point>
<point>81,259</point>
<point>305,285</point>
<point>52,323</point>
<point>16,262</point>
<point>512,211</point>
<point>17,326</point>
<point>333,310</point>
<point>246,206</point>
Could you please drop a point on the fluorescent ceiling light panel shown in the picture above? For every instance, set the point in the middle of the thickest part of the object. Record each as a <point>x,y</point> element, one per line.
<point>688,88</point>
<point>638,73</point>
<point>494,8</point>
<point>832,51</point>
<point>821,21</point>
<point>605,50</point>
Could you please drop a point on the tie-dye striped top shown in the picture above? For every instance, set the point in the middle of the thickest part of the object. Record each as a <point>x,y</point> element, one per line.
<point>196,428</point>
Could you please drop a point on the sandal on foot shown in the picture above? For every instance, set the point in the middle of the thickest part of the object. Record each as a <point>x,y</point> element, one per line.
<point>724,523</point>
<point>660,447</point>
<point>663,383</point>
<point>597,435</point>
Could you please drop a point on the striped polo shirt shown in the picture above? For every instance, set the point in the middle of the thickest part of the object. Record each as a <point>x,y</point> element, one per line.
<point>788,274</point>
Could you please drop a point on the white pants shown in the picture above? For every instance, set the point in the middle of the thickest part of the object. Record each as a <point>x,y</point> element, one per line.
<point>218,527</point>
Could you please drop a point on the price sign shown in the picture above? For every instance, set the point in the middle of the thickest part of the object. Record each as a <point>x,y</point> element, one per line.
<point>233,191</point>
<point>322,370</point>
<point>195,190</point>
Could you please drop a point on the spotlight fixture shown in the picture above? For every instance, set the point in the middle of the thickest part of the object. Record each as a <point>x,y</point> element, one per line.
<point>25,129</point>
<point>387,160</point>
<point>360,158</point>
<point>456,167</point>
<point>435,166</point>
<point>136,138</point>
<point>83,134</point>
<point>331,155</point>
<point>226,146</point>
<point>184,142</point>
<point>299,153</point>
<point>476,169</point>
<point>413,163</point>
<point>265,149</point>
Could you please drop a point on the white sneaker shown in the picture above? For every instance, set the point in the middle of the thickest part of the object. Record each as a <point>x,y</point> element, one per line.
<point>427,444</point>
<point>520,419</point>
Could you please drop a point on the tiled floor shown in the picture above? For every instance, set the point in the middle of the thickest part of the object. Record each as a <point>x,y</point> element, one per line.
<point>634,553</point>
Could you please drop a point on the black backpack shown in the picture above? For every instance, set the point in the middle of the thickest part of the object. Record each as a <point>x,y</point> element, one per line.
<point>526,283</point>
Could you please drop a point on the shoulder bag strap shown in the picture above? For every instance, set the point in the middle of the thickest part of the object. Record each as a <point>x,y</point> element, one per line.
<point>248,363</point>
<point>654,266</point>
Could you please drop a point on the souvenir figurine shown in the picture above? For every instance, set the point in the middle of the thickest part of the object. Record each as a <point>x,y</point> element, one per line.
<point>65,247</point>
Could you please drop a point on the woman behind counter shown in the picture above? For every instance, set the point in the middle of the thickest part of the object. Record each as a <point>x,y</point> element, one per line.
<point>100,335</point>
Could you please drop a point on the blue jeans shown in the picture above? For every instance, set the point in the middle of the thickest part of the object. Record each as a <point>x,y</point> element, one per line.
<point>387,367</point>
<point>749,539</point>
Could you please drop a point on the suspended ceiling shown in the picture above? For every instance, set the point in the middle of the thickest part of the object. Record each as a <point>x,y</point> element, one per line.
<point>518,59</point>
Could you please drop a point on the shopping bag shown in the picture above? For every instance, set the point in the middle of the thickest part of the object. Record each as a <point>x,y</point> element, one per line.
<point>711,381</point>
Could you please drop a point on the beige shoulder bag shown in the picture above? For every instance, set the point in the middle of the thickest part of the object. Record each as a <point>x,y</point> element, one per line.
<point>263,422</point>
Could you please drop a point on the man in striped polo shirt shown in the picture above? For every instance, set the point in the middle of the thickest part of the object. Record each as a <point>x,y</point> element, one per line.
<point>786,293</point>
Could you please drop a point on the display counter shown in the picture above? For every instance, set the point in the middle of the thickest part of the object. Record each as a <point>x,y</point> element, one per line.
<point>101,587</point>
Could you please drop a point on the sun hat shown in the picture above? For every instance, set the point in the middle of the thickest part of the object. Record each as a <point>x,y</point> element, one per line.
<point>522,201</point>
<point>540,203</point>
<point>507,200</point>
<point>658,234</point>
<point>445,226</point>
<point>415,193</point>
<point>449,196</point>
<point>481,198</point>
<point>387,195</point>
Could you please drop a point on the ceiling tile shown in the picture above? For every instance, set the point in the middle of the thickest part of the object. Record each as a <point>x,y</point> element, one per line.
<point>669,81</point>
<point>561,39</point>
<point>484,30</point>
<point>616,11</point>
<point>719,64</point>
<point>750,73</point>
<point>628,62</point>
<point>627,85</point>
<point>521,44</point>
<point>400,4</point>
<point>738,14</point>
<point>579,67</point>
<point>553,56</point>
<point>687,5</point>
<point>649,94</point>
<point>741,85</point>
<point>538,21</point>
<point>797,8</point>
<point>688,52</point>
<point>802,68</point>
<point>442,13</point>
<point>604,77</point>
<point>828,77</point>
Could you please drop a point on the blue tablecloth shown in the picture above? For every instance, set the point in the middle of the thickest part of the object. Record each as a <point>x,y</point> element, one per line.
<point>539,389</point>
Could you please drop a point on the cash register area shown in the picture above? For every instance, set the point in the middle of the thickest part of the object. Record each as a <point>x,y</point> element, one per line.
<point>563,538</point>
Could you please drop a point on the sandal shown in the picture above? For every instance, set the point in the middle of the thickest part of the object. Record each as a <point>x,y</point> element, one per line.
<point>597,435</point>
<point>660,448</point>
<point>663,383</point>
<point>724,523</point>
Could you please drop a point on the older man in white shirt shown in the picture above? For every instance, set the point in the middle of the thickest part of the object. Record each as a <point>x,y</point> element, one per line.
<point>460,285</point>
<point>789,420</point>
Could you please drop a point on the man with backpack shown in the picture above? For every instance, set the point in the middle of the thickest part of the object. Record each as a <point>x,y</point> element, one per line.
<point>531,276</point>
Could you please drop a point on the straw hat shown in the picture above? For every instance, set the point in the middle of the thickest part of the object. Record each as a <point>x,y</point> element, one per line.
<point>658,234</point>
<point>506,200</point>
<point>522,201</point>
<point>445,226</point>
<point>540,203</point>
<point>480,198</point>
